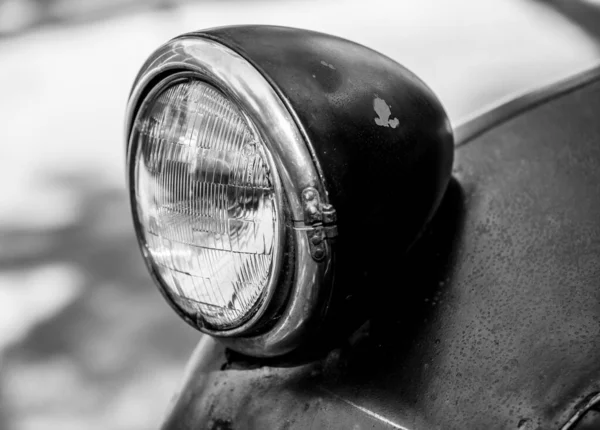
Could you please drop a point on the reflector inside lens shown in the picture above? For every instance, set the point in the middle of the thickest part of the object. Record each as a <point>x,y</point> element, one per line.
<point>206,202</point>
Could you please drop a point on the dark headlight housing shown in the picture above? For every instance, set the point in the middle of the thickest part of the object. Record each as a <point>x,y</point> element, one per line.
<point>361,152</point>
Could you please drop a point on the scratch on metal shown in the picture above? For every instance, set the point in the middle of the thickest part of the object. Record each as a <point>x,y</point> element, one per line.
<point>328,65</point>
<point>365,410</point>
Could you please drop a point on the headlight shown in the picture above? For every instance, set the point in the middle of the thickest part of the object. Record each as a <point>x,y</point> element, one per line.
<point>208,202</point>
<point>245,147</point>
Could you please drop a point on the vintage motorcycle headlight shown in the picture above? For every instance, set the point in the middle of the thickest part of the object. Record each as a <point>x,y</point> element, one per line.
<point>208,202</point>
<point>248,148</point>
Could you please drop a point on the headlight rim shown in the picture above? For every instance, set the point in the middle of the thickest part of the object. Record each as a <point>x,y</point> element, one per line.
<point>258,310</point>
<point>281,133</point>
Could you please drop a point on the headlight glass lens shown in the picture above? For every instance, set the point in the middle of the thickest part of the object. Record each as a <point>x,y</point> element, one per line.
<point>206,202</point>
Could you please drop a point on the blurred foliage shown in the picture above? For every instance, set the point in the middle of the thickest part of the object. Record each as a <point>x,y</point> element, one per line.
<point>110,353</point>
<point>17,16</point>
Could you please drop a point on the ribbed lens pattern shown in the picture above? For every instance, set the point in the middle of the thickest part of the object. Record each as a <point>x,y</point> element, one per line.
<point>206,202</point>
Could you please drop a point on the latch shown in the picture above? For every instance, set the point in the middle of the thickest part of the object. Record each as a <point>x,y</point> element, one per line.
<point>322,218</point>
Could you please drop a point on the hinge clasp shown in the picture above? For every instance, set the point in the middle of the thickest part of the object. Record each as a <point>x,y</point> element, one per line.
<point>322,217</point>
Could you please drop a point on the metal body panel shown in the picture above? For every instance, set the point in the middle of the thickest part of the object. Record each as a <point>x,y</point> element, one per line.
<point>492,321</point>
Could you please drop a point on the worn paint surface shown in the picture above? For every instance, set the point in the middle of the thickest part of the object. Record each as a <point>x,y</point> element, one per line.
<point>384,112</point>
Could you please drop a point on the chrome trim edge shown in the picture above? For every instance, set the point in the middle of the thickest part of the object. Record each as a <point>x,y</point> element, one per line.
<point>259,308</point>
<point>237,78</point>
<point>578,415</point>
<point>509,107</point>
<point>259,101</point>
<point>303,309</point>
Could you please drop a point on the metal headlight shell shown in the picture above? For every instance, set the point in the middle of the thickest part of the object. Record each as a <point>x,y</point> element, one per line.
<point>269,170</point>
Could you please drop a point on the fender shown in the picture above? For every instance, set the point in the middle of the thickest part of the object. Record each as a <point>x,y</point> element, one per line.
<point>503,331</point>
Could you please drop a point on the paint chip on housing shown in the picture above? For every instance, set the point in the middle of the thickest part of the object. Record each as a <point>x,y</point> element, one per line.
<point>384,112</point>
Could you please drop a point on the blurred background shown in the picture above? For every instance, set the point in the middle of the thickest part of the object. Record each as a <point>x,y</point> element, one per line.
<point>86,341</point>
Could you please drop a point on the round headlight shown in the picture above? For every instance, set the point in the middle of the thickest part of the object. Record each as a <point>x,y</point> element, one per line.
<point>228,203</point>
<point>248,149</point>
<point>207,201</point>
